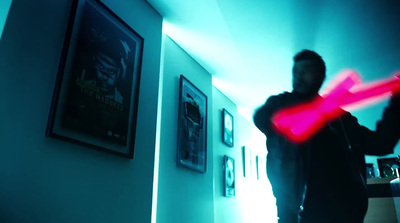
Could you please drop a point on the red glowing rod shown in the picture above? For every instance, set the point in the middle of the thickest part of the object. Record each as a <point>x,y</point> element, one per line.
<point>298,123</point>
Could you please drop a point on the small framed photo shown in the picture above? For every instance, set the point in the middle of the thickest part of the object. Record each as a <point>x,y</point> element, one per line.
<point>258,167</point>
<point>246,161</point>
<point>229,176</point>
<point>95,100</point>
<point>227,128</point>
<point>192,127</point>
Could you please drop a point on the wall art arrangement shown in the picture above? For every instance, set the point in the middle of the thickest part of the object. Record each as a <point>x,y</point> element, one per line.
<point>227,128</point>
<point>388,167</point>
<point>96,94</point>
<point>192,127</point>
<point>246,154</point>
<point>229,176</point>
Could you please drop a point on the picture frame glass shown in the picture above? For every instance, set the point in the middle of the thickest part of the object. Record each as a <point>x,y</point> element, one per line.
<point>227,128</point>
<point>246,154</point>
<point>192,127</point>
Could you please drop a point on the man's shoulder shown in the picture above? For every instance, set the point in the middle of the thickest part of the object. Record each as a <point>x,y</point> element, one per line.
<point>348,118</point>
<point>279,98</point>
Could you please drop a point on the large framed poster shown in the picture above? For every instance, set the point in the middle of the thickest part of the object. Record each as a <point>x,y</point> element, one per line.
<point>97,88</point>
<point>192,127</point>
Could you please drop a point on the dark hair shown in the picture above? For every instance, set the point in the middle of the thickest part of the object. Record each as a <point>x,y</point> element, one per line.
<point>311,55</point>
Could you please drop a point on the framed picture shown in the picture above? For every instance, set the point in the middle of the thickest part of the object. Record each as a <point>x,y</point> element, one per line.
<point>97,87</point>
<point>227,128</point>
<point>388,167</point>
<point>257,167</point>
<point>229,176</point>
<point>246,161</point>
<point>192,127</point>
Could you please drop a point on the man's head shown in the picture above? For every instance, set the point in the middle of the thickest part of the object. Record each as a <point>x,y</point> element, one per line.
<point>308,72</point>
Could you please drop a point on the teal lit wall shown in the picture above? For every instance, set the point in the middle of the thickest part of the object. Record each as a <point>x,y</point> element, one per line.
<point>188,196</point>
<point>4,7</point>
<point>47,180</point>
<point>184,195</point>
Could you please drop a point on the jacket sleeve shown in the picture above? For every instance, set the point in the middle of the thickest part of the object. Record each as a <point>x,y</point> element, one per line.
<point>383,140</point>
<point>262,115</point>
<point>285,160</point>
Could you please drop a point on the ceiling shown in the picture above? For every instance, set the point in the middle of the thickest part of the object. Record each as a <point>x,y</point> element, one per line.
<point>248,45</point>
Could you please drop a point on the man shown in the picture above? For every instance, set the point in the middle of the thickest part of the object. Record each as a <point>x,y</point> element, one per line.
<point>322,179</point>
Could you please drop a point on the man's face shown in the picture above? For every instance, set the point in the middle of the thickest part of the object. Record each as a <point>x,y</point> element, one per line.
<point>306,77</point>
<point>107,72</point>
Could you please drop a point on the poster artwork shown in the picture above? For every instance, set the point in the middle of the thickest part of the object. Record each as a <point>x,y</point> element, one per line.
<point>99,92</point>
<point>192,133</point>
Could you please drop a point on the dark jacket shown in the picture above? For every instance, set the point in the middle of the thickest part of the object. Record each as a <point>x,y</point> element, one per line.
<point>324,178</point>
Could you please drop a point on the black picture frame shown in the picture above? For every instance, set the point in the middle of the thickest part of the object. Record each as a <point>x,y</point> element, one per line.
<point>192,127</point>
<point>246,158</point>
<point>257,167</point>
<point>229,181</point>
<point>95,99</point>
<point>227,128</point>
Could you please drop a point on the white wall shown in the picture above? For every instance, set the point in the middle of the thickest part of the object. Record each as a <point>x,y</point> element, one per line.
<point>48,180</point>
<point>184,195</point>
<point>188,196</point>
<point>253,202</point>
